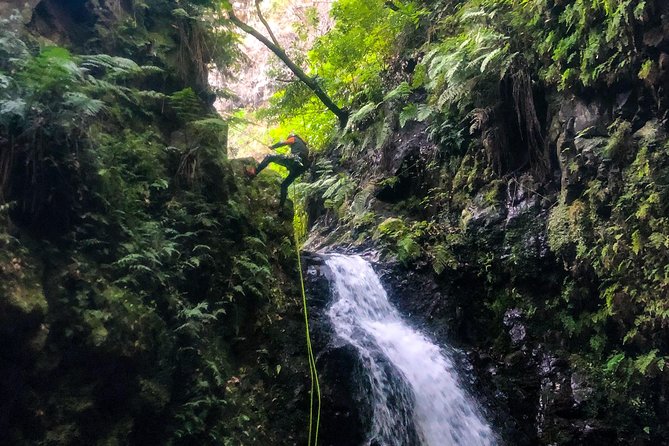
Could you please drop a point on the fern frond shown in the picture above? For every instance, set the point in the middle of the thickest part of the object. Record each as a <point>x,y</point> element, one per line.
<point>149,95</point>
<point>383,132</point>
<point>5,81</point>
<point>83,104</point>
<point>408,113</point>
<point>212,124</point>
<point>103,87</point>
<point>186,104</point>
<point>112,64</point>
<point>401,91</point>
<point>11,109</point>
<point>477,14</point>
<point>442,259</point>
<point>359,203</point>
<point>151,69</point>
<point>423,112</point>
<point>362,113</point>
<point>452,95</point>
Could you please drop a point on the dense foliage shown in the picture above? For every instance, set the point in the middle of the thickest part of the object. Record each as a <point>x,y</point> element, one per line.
<point>514,150</point>
<point>134,260</point>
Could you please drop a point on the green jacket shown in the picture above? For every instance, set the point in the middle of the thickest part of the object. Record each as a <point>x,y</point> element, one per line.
<point>297,146</point>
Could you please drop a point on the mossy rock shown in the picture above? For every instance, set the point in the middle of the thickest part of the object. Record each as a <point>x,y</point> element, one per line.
<point>21,292</point>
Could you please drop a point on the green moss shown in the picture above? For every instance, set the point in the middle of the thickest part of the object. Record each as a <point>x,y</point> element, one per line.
<point>559,229</point>
<point>20,284</point>
<point>28,298</point>
<point>647,67</point>
<point>620,143</point>
<point>494,192</point>
<point>390,227</point>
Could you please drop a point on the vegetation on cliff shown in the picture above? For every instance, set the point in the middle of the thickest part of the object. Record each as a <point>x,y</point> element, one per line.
<point>518,150</point>
<point>142,279</point>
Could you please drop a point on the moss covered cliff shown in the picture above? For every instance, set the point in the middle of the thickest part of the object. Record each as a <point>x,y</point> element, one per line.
<point>507,160</point>
<point>515,154</point>
<point>147,292</point>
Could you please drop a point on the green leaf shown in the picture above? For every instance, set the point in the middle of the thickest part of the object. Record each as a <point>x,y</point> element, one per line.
<point>489,58</point>
<point>80,103</point>
<point>363,112</point>
<point>181,13</point>
<point>613,362</point>
<point>408,113</point>
<point>661,363</point>
<point>4,81</point>
<point>637,242</point>
<point>424,112</point>
<point>642,362</point>
<point>401,91</point>
<point>12,108</point>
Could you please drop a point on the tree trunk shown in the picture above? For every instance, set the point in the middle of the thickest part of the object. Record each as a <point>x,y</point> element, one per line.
<point>310,82</point>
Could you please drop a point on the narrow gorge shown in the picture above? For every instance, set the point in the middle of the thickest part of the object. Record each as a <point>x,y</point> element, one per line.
<point>480,227</point>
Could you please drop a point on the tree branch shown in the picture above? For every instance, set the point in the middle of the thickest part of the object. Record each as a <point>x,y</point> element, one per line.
<point>264,22</point>
<point>311,83</point>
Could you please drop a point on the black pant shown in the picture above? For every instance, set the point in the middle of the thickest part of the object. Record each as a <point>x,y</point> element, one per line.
<point>294,166</point>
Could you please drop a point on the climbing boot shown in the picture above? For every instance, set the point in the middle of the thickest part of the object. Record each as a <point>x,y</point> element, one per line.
<point>251,172</point>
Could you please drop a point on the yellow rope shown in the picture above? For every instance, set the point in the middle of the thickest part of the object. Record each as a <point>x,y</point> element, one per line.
<point>313,373</point>
<point>312,362</point>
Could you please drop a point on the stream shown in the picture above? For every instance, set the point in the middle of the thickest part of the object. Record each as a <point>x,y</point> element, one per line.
<point>410,383</point>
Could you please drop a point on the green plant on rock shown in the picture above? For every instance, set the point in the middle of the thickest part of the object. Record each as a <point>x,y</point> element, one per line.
<point>590,41</point>
<point>465,70</point>
<point>617,228</point>
<point>401,239</point>
<point>335,189</point>
<point>443,258</point>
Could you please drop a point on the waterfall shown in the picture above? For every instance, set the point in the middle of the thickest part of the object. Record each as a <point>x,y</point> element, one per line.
<point>411,384</point>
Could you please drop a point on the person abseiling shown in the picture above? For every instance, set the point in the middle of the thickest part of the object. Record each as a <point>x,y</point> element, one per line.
<point>296,163</point>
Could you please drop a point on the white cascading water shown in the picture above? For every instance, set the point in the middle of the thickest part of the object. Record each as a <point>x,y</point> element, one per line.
<point>416,397</point>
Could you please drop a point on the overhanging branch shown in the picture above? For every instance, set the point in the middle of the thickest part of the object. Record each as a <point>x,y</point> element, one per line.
<point>311,83</point>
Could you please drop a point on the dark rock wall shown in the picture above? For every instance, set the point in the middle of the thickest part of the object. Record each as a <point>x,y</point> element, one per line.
<point>546,281</point>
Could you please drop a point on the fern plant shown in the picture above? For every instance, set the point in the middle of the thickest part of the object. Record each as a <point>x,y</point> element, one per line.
<point>465,70</point>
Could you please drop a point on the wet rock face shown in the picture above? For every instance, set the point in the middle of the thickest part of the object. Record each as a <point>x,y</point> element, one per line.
<point>593,115</point>
<point>404,159</point>
<point>581,389</point>
<point>561,416</point>
<point>345,415</point>
<point>23,7</point>
<point>517,330</point>
<point>64,20</point>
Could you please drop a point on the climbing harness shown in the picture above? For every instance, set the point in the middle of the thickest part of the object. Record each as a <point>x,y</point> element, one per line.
<point>313,433</point>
